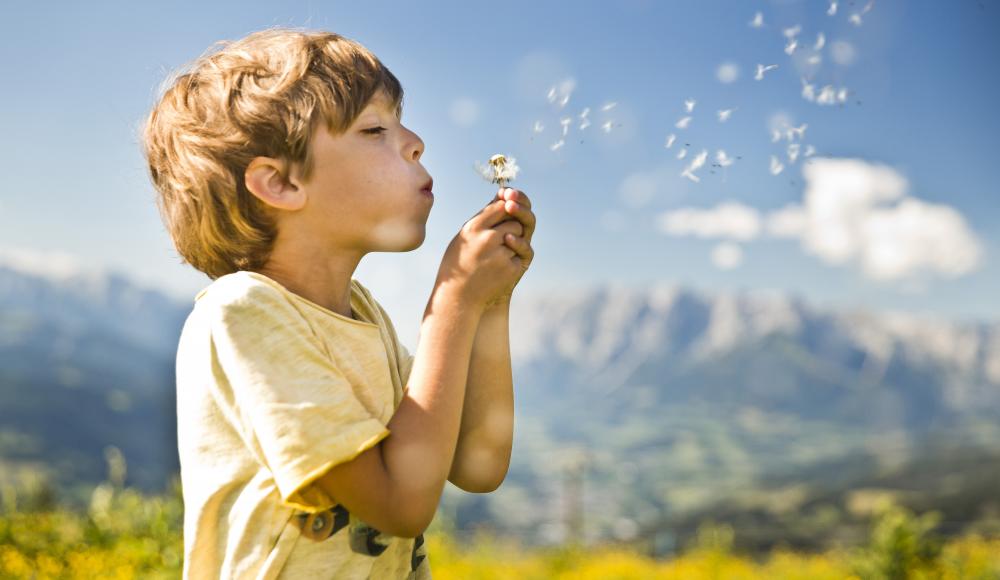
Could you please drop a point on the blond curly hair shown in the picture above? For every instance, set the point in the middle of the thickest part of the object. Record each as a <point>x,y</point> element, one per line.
<point>261,95</point>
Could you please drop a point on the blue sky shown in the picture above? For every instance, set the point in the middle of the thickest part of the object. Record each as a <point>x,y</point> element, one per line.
<point>79,79</point>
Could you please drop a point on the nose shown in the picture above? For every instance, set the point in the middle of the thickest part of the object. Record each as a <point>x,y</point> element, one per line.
<point>417,146</point>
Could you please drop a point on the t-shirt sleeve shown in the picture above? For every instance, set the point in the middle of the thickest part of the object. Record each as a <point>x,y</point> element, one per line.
<point>292,399</point>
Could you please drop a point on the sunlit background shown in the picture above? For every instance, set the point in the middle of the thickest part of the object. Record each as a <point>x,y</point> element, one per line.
<point>764,288</point>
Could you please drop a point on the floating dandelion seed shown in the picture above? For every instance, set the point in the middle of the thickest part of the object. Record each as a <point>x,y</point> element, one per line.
<point>833,8</point>
<point>609,106</point>
<point>810,151</point>
<point>538,127</point>
<point>670,140</point>
<point>856,17</point>
<point>724,114</point>
<point>775,135</point>
<point>800,131</point>
<point>820,41</point>
<point>842,95</point>
<point>584,124</point>
<point>722,159</point>
<point>689,104</point>
<point>682,153</point>
<point>761,69</point>
<point>500,169</point>
<point>814,59</point>
<point>683,123</point>
<point>790,47</point>
<point>793,31</point>
<point>697,162</point>
<point>758,20</point>
<point>565,124</point>
<point>776,166</point>
<point>607,126</point>
<point>793,152</point>
<point>585,112</point>
<point>808,91</point>
<point>557,144</point>
<point>562,93</point>
<point>827,95</point>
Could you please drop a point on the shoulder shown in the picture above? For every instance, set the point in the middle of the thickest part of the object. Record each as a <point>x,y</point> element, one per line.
<point>243,293</point>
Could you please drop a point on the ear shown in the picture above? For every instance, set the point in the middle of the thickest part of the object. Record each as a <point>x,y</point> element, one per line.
<point>269,180</point>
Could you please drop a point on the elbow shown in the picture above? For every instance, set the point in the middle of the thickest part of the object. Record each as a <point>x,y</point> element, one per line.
<point>484,481</point>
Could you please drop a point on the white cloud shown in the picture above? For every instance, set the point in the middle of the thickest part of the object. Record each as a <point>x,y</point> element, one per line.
<point>858,212</point>
<point>56,265</point>
<point>727,255</point>
<point>852,213</point>
<point>727,220</point>
<point>464,112</point>
<point>638,189</point>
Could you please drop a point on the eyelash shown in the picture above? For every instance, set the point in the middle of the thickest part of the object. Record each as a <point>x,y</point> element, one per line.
<point>374,131</point>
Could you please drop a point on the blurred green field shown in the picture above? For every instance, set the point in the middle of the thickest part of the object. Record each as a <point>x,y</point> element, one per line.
<point>124,533</point>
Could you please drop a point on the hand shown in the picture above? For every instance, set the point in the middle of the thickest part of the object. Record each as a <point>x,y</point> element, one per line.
<point>479,265</point>
<point>517,236</point>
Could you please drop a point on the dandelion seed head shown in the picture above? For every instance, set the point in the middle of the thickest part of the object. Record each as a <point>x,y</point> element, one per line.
<point>724,114</point>
<point>683,122</point>
<point>689,105</point>
<point>500,169</point>
<point>607,126</point>
<point>758,20</point>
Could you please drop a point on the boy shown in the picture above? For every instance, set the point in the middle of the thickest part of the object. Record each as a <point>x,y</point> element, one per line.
<point>312,443</point>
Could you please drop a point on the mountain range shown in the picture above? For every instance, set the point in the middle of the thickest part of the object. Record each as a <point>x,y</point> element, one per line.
<point>634,407</point>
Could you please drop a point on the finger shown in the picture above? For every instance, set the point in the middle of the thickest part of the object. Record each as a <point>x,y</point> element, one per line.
<point>520,246</point>
<point>523,215</point>
<point>492,214</point>
<point>511,226</point>
<point>516,195</point>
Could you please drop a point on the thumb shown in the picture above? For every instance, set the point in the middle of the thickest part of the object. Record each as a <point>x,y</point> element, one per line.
<point>492,214</point>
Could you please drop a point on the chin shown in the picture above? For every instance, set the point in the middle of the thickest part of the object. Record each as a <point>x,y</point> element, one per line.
<point>401,238</point>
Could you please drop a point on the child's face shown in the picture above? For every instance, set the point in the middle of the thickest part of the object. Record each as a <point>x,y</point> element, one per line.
<point>365,190</point>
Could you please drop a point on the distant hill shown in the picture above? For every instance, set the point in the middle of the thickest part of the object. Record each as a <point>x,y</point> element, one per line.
<point>87,361</point>
<point>638,407</point>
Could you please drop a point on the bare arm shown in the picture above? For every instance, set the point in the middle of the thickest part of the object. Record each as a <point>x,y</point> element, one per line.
<point>482,456</point>
<point>396,485</point>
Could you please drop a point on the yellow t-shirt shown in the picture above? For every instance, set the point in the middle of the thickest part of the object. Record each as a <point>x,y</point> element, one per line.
<point>273,390</point>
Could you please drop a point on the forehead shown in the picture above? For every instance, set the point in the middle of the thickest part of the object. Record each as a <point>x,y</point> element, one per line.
<point>380,101</point>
